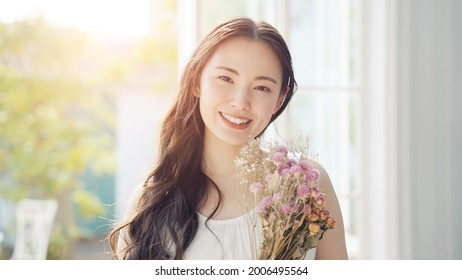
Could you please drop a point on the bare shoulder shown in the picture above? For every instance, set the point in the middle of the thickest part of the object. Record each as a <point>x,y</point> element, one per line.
<point>133,201</point>
<point>332,245</point>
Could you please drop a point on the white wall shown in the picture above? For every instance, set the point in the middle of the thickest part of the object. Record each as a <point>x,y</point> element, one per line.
<point>139,117</point>
<point>455,127</point>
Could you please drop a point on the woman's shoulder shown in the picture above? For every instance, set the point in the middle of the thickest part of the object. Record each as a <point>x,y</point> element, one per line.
<point>133,200</point>
<point>332,245</point>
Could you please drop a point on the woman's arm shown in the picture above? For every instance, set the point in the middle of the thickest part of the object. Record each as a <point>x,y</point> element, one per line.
<point>332,246</point>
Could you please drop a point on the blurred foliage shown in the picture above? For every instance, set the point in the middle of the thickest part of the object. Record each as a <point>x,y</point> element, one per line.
<point>54,122</point>
<point>56,118</point>
<point>59,246</point>
<point>58,89</point>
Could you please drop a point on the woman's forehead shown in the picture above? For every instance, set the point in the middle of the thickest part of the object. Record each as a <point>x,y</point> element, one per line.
<point>247,55</point>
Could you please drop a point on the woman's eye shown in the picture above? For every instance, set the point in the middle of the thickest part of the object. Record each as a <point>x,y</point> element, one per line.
<point>262,88</point>
<point>226,79</point>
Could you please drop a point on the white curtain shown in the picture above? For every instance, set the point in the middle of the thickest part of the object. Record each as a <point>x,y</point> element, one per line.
<point>414,72</point>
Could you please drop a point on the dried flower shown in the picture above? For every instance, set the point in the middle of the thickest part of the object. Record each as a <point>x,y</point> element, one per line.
<point>278,157</point>
<point>303,191</point>
<point>314,228</point>
<point>256,187</point>
<point>290,206</point>
<point>265,203</point>
<point>281,149</point>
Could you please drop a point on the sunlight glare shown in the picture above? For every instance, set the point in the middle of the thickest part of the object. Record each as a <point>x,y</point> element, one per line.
<point>121,18</point>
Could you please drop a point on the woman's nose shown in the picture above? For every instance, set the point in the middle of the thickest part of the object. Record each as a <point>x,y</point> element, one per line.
<point>241,99</point>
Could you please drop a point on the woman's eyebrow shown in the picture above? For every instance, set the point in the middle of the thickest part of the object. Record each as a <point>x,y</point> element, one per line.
<point>266,78</point>
<point>228,69</point>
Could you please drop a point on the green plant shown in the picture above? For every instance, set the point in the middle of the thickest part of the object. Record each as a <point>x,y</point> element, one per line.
<point>56,121</point>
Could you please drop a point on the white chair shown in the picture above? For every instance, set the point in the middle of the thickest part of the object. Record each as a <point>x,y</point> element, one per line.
<point>34,221</point>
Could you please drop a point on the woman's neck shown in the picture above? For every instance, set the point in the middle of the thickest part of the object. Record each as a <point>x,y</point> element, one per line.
<point>218,157</point>
<point>218,165</point>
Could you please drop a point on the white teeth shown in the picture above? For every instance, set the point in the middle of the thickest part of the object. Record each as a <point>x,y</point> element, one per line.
<point>234,120</point>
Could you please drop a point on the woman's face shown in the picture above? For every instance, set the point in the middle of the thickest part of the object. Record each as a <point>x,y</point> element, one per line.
<point>240,89</point>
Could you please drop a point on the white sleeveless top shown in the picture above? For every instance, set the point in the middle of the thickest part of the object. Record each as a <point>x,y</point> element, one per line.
<point>226,240</point>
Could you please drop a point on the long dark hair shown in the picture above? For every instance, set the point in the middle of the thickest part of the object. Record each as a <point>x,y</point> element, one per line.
<point>165,219</point>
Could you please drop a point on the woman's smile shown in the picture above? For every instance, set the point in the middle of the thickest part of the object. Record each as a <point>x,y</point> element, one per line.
<point>235,122</point>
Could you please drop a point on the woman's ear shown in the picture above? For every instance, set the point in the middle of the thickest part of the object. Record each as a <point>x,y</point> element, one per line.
<point>281,99</point>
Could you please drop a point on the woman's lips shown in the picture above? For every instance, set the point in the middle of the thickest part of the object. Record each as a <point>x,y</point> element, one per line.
<point>235,122</point>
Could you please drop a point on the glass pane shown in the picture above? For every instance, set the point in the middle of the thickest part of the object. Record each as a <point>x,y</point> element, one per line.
<point>324,42</point>
<point>328,118</point>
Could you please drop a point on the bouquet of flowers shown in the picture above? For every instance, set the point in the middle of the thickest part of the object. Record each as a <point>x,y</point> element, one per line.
<point>289,205</point>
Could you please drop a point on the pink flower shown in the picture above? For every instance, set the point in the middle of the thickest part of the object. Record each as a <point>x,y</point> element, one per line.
<point>282,166</point>
<point>256,187</point>
<point>265,203</point>
<point>303,191</point>
<point>313,175</point>
<point>324,214</point>
<point>281,149</point>
<point>320,200</point>
<point>295,169</point>
<point>285,171</point>
<point>315,192</point>
<point>278,157</point>
<point>305,165</point>
<point>291,162</point>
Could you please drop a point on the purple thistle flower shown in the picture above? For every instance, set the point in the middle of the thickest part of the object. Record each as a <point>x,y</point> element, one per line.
<point>265,203</point>
<point>305,165</point>
<point>303,191</point>
<point>313,175</point>
<point>285,171</point>
<point>295,169</point>
<point>291,162</point>
<point>282,166</point>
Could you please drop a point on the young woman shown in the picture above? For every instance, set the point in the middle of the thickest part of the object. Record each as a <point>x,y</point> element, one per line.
<point>238,81</point>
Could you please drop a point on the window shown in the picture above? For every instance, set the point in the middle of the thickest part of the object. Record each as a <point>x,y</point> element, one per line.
<point>323,37</point>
